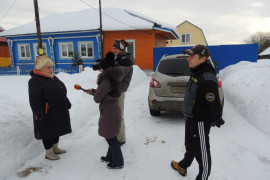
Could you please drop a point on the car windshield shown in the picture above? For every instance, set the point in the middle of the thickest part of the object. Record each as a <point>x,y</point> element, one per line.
<point>174,67</point>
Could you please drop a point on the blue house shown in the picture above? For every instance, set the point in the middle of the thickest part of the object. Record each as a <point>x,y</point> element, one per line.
<point>78,32</point>
<point>60,47</point>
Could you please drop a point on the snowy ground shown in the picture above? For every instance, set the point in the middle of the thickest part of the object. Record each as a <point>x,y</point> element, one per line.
<point>240,149</point>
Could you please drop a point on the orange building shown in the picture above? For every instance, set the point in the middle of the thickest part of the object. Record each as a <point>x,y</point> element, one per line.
<point>143,42</point>
<point>4,51</point>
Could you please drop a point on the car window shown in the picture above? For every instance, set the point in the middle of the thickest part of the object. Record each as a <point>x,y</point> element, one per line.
<point>174,67</point>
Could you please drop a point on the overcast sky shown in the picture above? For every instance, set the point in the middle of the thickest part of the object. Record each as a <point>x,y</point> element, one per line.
<point>222,21</point>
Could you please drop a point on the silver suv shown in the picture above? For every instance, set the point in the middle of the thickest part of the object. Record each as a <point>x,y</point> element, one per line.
<point>168,84</point>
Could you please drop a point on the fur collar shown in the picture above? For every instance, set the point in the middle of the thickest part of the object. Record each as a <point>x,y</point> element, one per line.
<point>113,73</point>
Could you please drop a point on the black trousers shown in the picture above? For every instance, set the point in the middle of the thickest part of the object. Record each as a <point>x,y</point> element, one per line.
<point>197,145</point>
<point>48,143</point>
<point>114,153</point>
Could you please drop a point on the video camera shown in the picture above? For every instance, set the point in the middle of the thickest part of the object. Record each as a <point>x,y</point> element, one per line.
<point>96,66</point>
<point>104,63</point>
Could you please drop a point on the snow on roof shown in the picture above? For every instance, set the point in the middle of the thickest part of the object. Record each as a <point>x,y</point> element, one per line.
<point>265,52</point>
<point>112,19</point>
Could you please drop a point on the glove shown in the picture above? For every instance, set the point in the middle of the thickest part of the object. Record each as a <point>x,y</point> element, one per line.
<point>217,122</point>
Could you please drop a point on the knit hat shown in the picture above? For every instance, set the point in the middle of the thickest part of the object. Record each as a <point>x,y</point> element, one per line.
<point>41,61</point>
<point>108,61</point>
<point>198,49</point>
<point>120,44</point>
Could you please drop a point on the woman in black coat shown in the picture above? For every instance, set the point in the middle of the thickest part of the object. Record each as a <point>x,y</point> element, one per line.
<point>50,106</point>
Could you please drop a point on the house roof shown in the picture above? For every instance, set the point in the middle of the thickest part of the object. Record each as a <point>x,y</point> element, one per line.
<point>112,19</point>
<point>265,52</point>
<point>189,23</point>
<point>194,26</point>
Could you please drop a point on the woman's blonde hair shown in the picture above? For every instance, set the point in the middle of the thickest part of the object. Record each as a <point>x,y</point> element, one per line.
<point>41,61</point>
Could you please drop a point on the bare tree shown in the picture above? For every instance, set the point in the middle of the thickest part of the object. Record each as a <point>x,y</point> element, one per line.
<point>260,38</point>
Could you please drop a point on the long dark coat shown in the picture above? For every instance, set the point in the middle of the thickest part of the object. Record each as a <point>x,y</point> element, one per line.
<point>107,93</point>
<point>49,103</point>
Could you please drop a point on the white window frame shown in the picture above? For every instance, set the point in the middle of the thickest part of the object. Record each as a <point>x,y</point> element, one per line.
<point>20,52</point>
<point>185,41</point>
<point>87,56</point>
<point>133,49</point>
<point>35,45</point>
<point>60,49</point>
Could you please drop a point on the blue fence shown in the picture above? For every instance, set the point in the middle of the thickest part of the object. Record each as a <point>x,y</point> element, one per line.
<point>7,71</point>
<point>223,55</point>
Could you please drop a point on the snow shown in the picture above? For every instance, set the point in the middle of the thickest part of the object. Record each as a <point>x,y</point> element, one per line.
<point>112,19</point>
<point>239,149</point>
<point>265,52</point>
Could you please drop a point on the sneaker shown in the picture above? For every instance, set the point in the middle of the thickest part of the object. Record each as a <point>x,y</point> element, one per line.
<point>176,167</point>
<point>104,159</point>
<point>112,166</point>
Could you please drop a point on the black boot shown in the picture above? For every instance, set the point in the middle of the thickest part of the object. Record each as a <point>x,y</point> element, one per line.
<point>112,166</point>
<point>104,159</point>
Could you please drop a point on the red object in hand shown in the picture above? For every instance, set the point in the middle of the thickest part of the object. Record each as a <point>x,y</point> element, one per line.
<point>78,87</point>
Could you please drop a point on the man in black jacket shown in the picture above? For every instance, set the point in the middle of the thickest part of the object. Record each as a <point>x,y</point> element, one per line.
<point>201,109</point>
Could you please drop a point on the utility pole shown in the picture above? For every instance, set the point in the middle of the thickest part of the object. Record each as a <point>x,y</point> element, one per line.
<point>101,33</point>
<point>40,49</point>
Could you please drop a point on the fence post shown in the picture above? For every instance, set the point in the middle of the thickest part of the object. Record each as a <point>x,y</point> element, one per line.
<point>80,68</point>
<point>18,71</point>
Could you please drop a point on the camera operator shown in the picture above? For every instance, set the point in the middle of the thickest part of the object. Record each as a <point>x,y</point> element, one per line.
<point>97,65</point>
<point>126,61</point>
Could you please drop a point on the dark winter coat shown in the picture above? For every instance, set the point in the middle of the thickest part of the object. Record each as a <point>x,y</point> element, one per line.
<point>126,61</point>
<point>49,103</point>
<point>107,93</point>
<point>202,102</point>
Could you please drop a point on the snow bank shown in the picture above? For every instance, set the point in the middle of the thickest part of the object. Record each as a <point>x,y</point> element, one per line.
<point>246,86</point>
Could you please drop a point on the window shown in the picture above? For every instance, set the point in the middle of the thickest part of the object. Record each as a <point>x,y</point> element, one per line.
<point>185,38</point>
<point>174,67</point>
<point>86,49</point>
<point>131,49</point>
<point>66,50</point>
<point>35,46</point>
<point>24,51</point>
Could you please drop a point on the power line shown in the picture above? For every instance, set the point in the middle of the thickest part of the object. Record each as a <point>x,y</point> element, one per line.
<point>113,17</point>
<point>7,11</point>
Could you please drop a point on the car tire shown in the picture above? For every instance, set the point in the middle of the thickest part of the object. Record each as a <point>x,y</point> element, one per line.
<point>154,112</point>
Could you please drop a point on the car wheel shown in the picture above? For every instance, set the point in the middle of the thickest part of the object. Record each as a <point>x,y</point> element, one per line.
<point>154,112</point>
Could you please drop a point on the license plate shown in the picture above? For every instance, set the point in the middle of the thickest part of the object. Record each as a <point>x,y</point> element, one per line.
<point>178,89</point>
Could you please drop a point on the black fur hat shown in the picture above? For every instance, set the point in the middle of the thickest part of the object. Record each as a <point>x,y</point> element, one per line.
<point>108,61</point>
